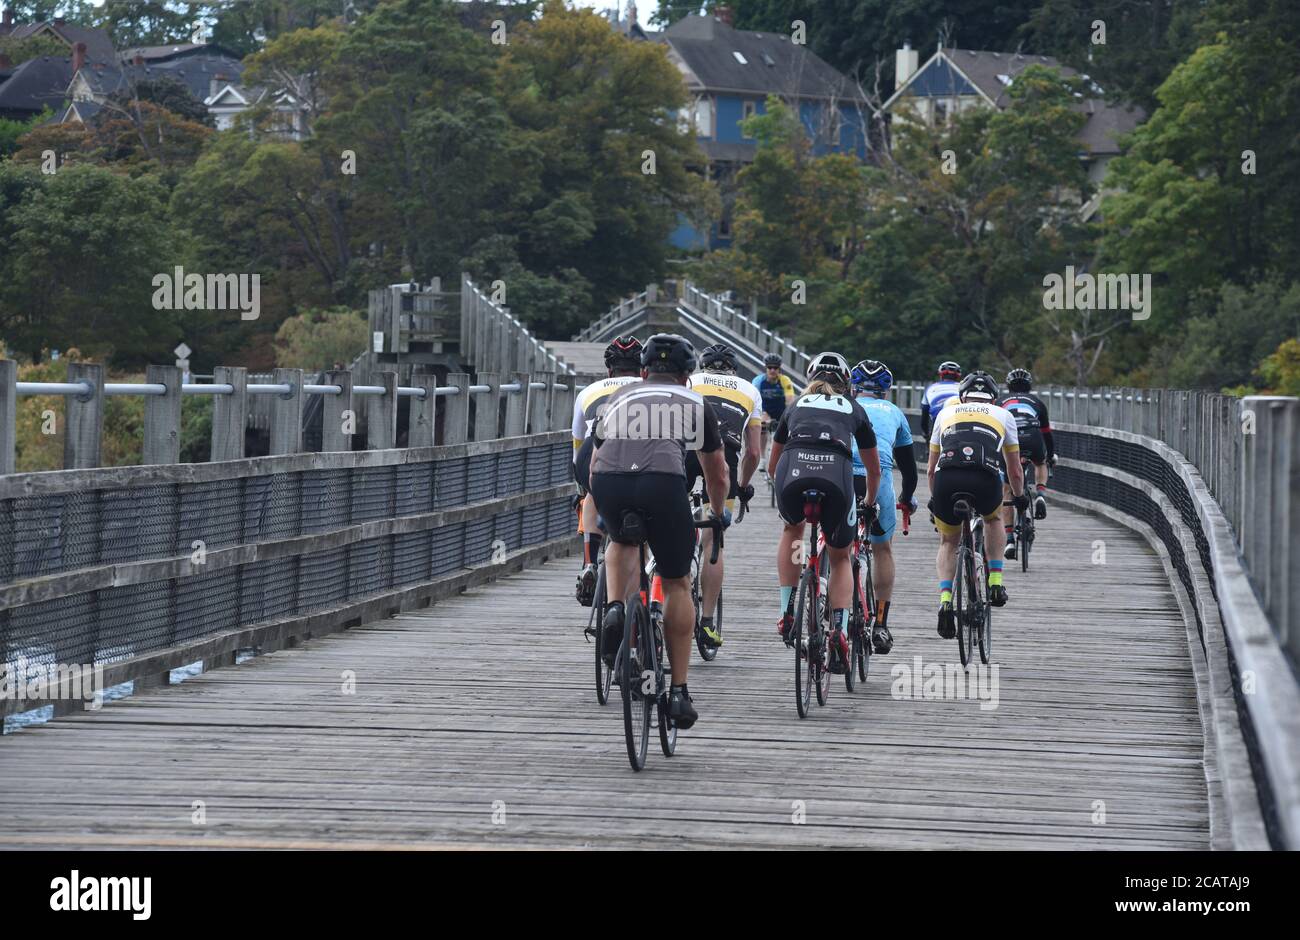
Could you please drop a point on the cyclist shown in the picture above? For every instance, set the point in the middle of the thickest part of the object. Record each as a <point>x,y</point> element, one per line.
<point>968,439</point>
<point>871,383</point>
<point>820,429</point>
<point>641,439</point>
<point>776,389</point>
<point>1035,432</point>
<point>623,363</point>
<point>938,393</point>
<point>739,409</point>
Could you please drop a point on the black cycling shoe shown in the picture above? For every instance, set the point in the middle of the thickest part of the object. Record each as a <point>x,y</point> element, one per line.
<point>840,653</point>
<point>585,591</point>
<point>712,635</point>
<point>613,637</point>
<point>680,711</point>
<point>947,621</point>
<point>997,595</point>
<point>1040,507</point>
<point>1009,553</point>
<point>882,641</point>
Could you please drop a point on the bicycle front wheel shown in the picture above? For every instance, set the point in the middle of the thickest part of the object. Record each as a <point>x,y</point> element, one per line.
<point>960,601</point>
<point>667,730</point>
<point>637,650</point>
<point>604,674</point>
<point>802,665</point>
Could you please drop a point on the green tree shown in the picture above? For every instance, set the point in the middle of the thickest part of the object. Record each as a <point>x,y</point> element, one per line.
<point>19,51</point>
<point>78,251</point>
<point>1281,370</point>
<point>316,339</point>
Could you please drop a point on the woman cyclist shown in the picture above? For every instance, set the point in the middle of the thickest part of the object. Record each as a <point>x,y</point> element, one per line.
<point>813,449</point>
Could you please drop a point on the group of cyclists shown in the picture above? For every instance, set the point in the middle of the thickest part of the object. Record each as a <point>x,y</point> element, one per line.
<point>839,436</point>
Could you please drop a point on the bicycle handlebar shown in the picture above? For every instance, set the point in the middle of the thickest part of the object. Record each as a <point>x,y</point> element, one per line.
<point>716,526</point>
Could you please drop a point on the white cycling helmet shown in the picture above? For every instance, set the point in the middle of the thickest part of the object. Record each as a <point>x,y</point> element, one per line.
<point>832,364</point>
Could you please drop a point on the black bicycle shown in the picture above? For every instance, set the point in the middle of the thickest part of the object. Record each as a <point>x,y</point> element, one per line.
<point>641,662</point>
<point>970,602</point>
<point>595,628</point>
<point>809,631</point>
<point>1025,519</point>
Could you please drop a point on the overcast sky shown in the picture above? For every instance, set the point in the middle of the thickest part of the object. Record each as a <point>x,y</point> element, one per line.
<point>644,8</point>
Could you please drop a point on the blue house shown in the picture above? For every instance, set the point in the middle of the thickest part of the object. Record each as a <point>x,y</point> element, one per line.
<point>729,74</point>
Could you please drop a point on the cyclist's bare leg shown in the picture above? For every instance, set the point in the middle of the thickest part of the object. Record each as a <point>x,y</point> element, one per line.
<point>710,575</point>
<point>621,569</point>
<point>679,625</point>
<point>790,555</point>
<point>1008,511</point>
<point>1040,473</point>
<point>882,570</point>
<point>995,539</point>
<point>946,561</point>
<point>841,588</point>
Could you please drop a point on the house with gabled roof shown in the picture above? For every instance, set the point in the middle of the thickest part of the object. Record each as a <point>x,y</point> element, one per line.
<point>953,81</point>
<point>729,74</point>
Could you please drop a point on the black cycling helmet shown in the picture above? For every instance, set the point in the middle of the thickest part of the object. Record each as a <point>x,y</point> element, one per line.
<point>978,386</point>
<point>1019,380</point>
<point>832,366</point>
<point>719,357</point>
<point>772,361</point>
<point>949,370</point>
<point>871,375</point>
<point>668,352</point>
<point>623,353</point>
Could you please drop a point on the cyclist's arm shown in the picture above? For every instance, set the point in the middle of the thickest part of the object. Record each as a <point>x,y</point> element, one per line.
<point>779,437</point>
<point>579,425</point>
<point>788,388</point>
<point>934,456</point>
<point>753,450</point>
<point>865,437</point>
<point>717,480</point>
<point>1011,456</point>
<point>905,461</point>
<point>1047,429</point>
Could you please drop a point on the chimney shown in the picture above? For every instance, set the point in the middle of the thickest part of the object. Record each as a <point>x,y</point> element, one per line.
<point>906,62</point>
<point>60,21</point>
<point>78,57</point>
<point>5,62</point>
<point>138,60</point>
<point>8,18</point>
<point>722,13</point>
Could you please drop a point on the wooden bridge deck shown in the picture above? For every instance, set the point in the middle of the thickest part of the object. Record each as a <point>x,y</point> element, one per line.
<point>488,697</point>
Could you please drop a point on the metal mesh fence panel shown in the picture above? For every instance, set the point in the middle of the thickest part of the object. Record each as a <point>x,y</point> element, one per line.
<point>449,483</point>
<point>210,512</point>
<point>326,500</point>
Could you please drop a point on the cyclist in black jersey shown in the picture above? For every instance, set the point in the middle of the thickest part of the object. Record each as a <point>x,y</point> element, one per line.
<point>813,449</point>
<point>1035,430</point>
<point>641,440</point>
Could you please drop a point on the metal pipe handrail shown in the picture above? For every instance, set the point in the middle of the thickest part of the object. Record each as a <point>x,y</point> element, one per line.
<point>155,388</point>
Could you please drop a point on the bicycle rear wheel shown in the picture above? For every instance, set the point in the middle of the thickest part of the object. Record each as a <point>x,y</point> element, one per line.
<point>667,730</point>
<point>636,702</point>
<point>802,666</point>
<point>960,601</point>
<point>708,652</point>
<point>604,674</point>
<point>869,618</point>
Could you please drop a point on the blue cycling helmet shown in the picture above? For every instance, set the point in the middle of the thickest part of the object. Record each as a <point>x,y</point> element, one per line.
<point>871,375</point>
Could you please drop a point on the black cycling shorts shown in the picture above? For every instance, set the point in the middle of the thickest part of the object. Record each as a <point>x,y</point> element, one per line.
<point>802,468</point>
<point>582,463</point>
<point>860,490</point>
<point>981,485</point>
<point>661,499</point>
<point>1032,444</point>
<point>693,471</point>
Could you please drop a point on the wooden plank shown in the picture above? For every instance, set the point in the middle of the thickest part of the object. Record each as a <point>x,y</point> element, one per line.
<point>475,701</point>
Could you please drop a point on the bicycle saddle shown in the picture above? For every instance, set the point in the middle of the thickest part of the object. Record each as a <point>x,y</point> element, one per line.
<point>631,526</point>
<point>963,502</point>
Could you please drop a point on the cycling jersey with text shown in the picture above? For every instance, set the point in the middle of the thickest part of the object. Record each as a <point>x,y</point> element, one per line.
<point>834,422</point>
<point>973,434</point>
<point>736,402</point>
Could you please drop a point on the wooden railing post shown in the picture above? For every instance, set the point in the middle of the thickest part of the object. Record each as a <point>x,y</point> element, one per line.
<point>421,430</point>
<point>381,413</point>
<point>84,424</point>
<point>455,425</point>
<point>162,416</point>
<point>229,413</point>
<point>517,406</point>
<point>8,414</point>
<point>539,410</point>
<point>487,407</point>
<point>286,413</point>
<point>338,414</point>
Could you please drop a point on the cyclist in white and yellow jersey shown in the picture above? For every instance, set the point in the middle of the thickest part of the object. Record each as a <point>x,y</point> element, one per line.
<point>623,362</point>
<point>968,438</point>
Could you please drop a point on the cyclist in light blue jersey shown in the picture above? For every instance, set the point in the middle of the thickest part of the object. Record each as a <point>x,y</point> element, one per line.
<point>871,383</point>
<point>938,394</point>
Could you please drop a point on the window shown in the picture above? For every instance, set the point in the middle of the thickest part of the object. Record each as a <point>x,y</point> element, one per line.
<point>740,58</point>
<point>704,117</point>
<point>748,110</point>
<point>940,112</point>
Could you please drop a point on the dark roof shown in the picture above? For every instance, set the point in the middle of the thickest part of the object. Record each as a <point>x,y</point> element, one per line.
<point>98,44</point>
<point>993,72</point>
<point>723,152</point>
<point>37,83</point>
<point>178,50</point>
<point>83,110</point>
<point>772,63</point>
<point>195,72</point>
